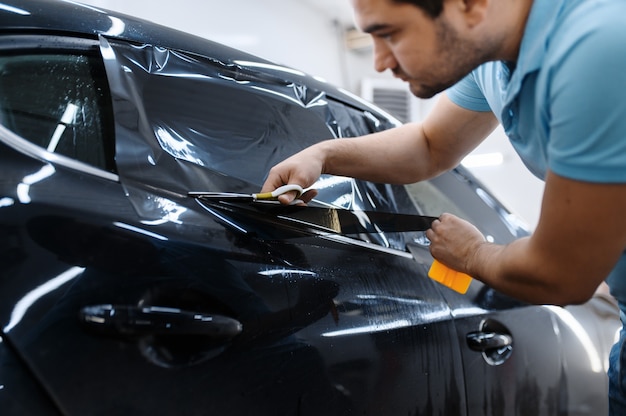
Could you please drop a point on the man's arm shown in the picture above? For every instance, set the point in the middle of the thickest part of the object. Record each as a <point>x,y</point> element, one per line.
<point>406,154</point>
<point>579,238</point>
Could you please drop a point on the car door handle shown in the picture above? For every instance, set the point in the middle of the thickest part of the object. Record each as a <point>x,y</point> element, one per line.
<point>485,341</point>
<point>137,321</point>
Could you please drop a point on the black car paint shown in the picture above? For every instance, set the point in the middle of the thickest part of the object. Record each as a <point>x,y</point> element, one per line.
<point>109,264</point>
<point>329,325</point>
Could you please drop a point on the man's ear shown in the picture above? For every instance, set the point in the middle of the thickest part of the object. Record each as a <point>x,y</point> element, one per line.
<point>473,12</point>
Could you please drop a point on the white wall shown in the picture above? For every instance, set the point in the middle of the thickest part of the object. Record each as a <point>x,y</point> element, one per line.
<point>287,32</point>
<point>308,35</point>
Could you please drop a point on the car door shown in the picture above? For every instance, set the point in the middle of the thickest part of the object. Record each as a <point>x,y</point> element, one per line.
<point>121,295</point>
<point>520,358</point>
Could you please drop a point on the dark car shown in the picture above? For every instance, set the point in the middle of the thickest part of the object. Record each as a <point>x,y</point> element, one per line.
<point>123,294</point>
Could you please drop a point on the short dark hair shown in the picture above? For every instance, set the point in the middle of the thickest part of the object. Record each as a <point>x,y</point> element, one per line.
<point>432,7</point>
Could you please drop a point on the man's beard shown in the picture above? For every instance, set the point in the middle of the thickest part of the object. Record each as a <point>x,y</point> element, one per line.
<point>458,58</point>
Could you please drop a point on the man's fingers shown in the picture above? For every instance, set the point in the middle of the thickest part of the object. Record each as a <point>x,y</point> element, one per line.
<point>308,195</point>
<point>288,197</point>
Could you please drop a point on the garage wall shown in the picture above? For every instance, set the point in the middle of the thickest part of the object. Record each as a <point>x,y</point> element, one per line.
<point>309,35</point>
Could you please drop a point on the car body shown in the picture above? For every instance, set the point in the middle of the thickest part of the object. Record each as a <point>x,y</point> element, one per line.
<point>122,294</point>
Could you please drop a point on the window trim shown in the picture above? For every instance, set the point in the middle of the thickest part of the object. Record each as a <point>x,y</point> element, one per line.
<point>30,149</point>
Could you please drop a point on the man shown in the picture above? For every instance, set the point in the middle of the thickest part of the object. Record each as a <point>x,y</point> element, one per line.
<point>552,72</point>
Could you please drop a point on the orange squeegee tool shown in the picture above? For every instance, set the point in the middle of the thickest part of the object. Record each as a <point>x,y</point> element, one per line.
<point>456,281</point>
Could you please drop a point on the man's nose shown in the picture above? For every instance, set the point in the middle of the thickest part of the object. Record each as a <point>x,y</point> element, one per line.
<point>383,58</point>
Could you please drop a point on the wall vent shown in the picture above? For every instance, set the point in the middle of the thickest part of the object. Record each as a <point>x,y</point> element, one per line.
<point>394,96</point>
<point>394,101</point>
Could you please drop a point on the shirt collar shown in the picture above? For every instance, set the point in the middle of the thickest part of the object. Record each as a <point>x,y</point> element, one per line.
<point>539,26</point>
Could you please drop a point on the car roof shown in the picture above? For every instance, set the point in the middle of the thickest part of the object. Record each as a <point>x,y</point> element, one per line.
<point>66,17</point>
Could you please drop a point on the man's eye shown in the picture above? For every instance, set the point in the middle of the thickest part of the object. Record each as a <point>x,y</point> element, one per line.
<point>387,36</point>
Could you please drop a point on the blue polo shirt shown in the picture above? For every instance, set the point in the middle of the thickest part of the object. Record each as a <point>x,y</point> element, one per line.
<point>563,105</point>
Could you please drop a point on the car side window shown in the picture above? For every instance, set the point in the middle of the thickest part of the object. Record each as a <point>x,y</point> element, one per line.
<point>60,102</point>
<point>430,200</point>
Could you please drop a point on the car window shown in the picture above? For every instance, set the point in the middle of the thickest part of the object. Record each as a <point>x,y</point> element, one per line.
<point>429,200</point>
<point>59,101</point>
<point>217,122</point>
<point>226,125</point>
<point>220,125</point>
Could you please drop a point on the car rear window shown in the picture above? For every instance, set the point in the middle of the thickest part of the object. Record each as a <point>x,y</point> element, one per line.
<point>59,101</point>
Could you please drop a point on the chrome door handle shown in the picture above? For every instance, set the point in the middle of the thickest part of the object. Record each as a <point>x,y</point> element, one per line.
<point>485,341</point>
<point>137,321</point>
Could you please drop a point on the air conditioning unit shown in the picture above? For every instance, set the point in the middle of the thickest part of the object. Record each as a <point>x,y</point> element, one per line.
<point>394,96</point>
<point>358,41</point>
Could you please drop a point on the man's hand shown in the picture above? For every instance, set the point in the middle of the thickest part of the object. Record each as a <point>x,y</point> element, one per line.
<point>454,242</point>
<point>580,237</point>
<point>303,168</point>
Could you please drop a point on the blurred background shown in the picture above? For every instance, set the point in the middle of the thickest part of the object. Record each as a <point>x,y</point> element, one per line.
<point>319,37</point>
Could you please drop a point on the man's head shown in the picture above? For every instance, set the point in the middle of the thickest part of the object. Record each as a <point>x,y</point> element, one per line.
<point>432,44</point>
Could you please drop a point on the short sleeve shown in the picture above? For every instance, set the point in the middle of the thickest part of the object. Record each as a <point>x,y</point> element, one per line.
<point>467,94</point>
<point>587,105</point>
